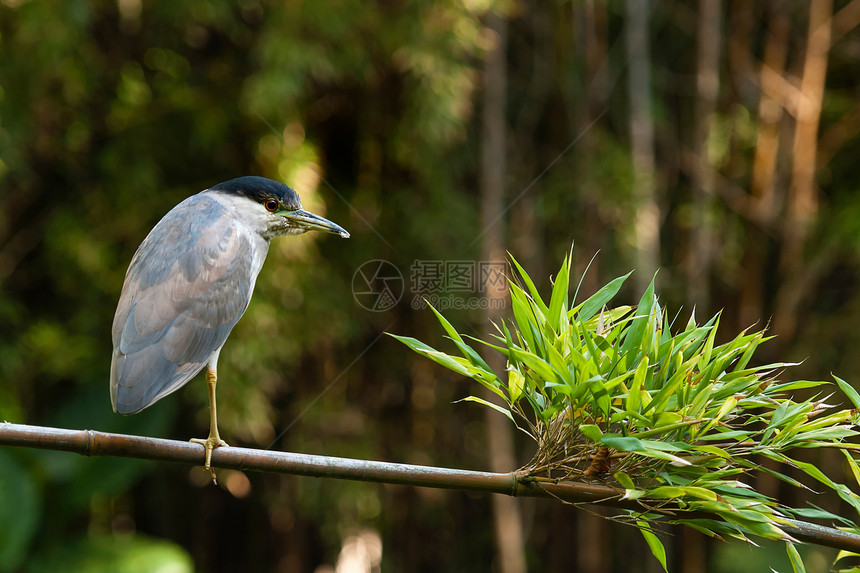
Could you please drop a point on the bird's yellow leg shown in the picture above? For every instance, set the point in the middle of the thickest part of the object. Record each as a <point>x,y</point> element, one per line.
<point>214,440</point>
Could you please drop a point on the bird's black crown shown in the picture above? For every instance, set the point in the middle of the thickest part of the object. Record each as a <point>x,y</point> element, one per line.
<point>260,189</point>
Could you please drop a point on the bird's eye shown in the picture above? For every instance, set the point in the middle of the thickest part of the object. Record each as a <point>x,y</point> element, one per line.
<point>271,205</point>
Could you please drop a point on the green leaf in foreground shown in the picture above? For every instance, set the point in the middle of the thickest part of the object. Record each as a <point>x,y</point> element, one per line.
<point>676,422</point>
<point>654,543</point>
<point>849,390</point>
<point>794,557</point>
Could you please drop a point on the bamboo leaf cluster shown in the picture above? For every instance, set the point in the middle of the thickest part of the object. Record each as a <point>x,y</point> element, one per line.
<point>669,416</point>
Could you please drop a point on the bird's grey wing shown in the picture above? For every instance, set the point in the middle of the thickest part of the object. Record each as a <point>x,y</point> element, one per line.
<point>187,286</point>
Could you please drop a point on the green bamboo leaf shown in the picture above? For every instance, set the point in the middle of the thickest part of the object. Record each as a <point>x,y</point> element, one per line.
<point>811,470</point>
<point>634,494</point>
<point>849,390</point>
<point>509,342</point>
<point>540,367</point>
<point>553,388</point>
<point>667,421</point>
<point>637,387</point>
<point>813,439</point>
<point>598,300</point>
<point>653,542</point>
<point>689,340</point>
<point>516,382</point>
<point>664,356</point>
<point>535,294</point>
<point>466,350</point>
<point>710,527</point>
<point>816,512</point>
<point>775,421</point>
<point>623,443</point>
<point>591,346</point>
<point>666,446</point>
<point>677,492</point>
<point>720,434</point>
<point>845,554</point>
<point>502,349</point>
<point>700,492</point>
<point>705,355</point>
<point>727,407</point>
<point>734,487</point>
<point>748,517</point>
<point>672,423</point>
<point>557,313</point>
<point>647,448</point>
<point>591,432</point>
<point>778,475</point>
<point>750,350</point>
<point>713,450</point>
<point>636,335</point>
<point>483,402</point>
<point>691,322</point>
<point>666,330</point>
<point>454,363</point>
<point>667,492</point>
<point>452,332</point>
<point>794,557</point>
<point>661,398</point>
<point>618,316</point>
<point>600,398</point>
<point>695,340</point>
<point>459,365</point>
<point>538,405</point>
<point>522,310</point>
<point>835,420</point>
<point>559,365</point>
<point>792,422</point>
<point>767,530</point>
<point>852,464</point>
<point>412,343</point>
<point>624,479</point>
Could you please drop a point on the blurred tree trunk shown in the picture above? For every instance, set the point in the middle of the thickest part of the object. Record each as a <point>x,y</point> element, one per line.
<point>700,258</point>
<point>739,50</point>
<point>506,512</point>
<point>802,207</point>
<point>848,126</point>
<point>704,240</point>
<point>526,225</point>
<point>764,203</point>
<point>592,33</point>
<point>593,539</point>
<point>647,209</point>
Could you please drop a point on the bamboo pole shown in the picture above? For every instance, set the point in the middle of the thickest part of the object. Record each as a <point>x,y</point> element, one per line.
<point>94,443</point>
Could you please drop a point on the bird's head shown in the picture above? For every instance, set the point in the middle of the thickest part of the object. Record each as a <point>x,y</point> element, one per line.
<point>274,208</point>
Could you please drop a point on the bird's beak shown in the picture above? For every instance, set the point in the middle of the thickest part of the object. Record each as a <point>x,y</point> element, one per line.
<point>310,222</point>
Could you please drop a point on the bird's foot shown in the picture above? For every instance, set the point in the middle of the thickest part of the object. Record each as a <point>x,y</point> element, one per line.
<point>210,443</point>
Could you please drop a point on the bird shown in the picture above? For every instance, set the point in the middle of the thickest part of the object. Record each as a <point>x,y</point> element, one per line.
<point>188,284</point>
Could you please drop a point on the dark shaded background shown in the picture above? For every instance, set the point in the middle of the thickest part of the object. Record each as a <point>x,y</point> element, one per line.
<point>112,112</point>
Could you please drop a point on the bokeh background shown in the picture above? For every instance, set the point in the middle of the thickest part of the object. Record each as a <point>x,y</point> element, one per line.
<point>715,140</point>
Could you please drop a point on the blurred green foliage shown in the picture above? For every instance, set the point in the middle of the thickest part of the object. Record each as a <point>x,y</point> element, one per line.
<point>112,112</point>
<point>110,553</point>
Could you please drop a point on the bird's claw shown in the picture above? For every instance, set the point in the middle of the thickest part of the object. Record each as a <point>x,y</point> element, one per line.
<point>210,444</point>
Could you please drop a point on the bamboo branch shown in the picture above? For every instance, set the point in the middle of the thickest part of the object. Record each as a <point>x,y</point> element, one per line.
<point>93,443</point>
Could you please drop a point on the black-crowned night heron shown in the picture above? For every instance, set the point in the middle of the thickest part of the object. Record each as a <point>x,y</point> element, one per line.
<point>188,284</point>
